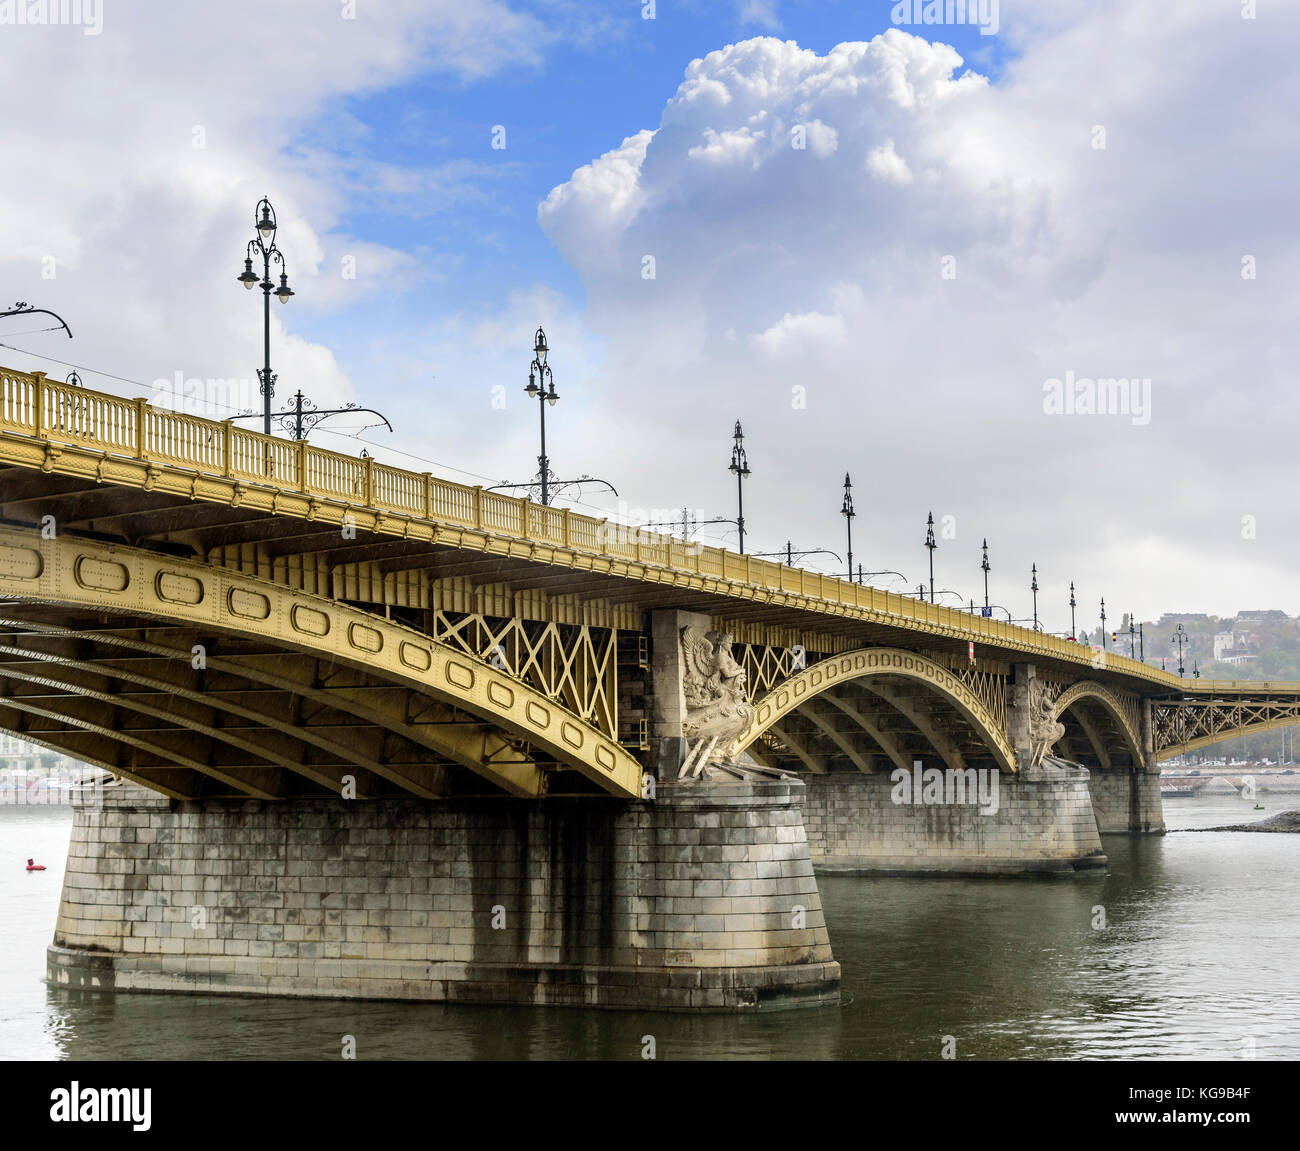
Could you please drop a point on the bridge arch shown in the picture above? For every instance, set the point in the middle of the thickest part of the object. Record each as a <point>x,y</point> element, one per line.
<point>837,671</point>
<point>1120,723</point>
<point>80,574</point>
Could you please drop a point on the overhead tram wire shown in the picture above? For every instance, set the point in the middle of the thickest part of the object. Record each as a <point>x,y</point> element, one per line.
<point>718,539</point>
<point>80,367</point>
<point>32,331</point>
<point>721,540</point>
<point>231,408</point>
<point>321,431</point>
<point>208,403</point>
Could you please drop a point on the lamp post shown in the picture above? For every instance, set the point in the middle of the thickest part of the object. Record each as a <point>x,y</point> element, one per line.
<point>1181,638</point>
<point>930,545</point>
<point>541,387</point>
<point>985,566</point>
<point>1033,587</point>
<point>1073,634</point>
<point>1142,646</point>
<point>1103,623</point>
<point>263,244</point>
<point>1132,638</point>
<point>740,468</point>
<point>846,510</point>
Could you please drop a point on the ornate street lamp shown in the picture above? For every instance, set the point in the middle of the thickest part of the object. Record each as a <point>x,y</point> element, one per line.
<point>1073,634</point>
<point>1180,637</point>
<point>930,545</point>
<point>1103,623</point>
<point>1132,638</point>
<point>985,566</point>
<point>541,387</point>
<point>263,244</point>
<point>1033,587</point>
<point>740,468</point>
<point>846,510</point>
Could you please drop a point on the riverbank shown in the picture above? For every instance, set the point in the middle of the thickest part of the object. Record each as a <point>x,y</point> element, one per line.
<point>1286,822</point>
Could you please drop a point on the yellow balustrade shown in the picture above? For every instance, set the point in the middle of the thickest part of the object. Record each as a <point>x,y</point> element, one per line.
<point>33,406</point>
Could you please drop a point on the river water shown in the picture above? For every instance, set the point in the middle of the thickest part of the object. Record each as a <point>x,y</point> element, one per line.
<point>1199,958</point>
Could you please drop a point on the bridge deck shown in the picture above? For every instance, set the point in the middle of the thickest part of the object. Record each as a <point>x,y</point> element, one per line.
<point>119,468</point>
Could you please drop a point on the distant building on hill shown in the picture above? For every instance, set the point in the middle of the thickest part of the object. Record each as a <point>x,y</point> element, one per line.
<point>1271,616</point>
<point>1235,647</point>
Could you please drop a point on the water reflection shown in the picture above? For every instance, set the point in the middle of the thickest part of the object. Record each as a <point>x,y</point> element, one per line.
<point>1197,955</point>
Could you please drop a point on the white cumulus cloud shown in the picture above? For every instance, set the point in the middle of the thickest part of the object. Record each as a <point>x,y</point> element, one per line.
<point>894,304</point>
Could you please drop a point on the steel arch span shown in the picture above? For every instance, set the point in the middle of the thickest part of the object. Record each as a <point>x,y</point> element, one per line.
<point>424,705</point>
<point>866,664</point>
<point>1124,723</point>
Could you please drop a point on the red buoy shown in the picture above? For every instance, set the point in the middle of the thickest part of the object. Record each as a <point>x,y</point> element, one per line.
<point>32,866</point>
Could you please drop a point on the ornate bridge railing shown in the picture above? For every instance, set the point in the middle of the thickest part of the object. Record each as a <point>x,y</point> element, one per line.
<point>100,427</point>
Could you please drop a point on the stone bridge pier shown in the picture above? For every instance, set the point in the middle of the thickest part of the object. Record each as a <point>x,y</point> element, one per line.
<point>703,900</point>
<point>1028,805</point>
<point>698,896</point>
<point>379,733</point>
<point>1130,801</point>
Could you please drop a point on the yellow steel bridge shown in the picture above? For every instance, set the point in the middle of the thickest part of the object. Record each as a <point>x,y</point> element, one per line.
<point>214,612</point>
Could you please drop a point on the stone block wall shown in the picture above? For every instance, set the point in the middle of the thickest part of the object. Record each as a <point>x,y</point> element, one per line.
<point>703,900</point>
<point>1040,825</point>
<point>1124,800</point>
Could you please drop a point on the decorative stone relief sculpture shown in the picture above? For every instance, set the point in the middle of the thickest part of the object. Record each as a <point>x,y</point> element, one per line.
<point>717,700</point>
<point>1044,728</point>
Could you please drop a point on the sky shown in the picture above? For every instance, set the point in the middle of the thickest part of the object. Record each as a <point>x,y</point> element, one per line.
<point>902,250</point>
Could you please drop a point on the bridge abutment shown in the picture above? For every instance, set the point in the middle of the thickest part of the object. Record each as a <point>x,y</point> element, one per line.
<point>703,900</point>
<point>1043,822</point>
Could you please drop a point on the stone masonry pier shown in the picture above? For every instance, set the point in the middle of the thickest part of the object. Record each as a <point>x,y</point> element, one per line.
<point>703,900</point>
<point>1127,801</point>
<point>1044,822</point>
